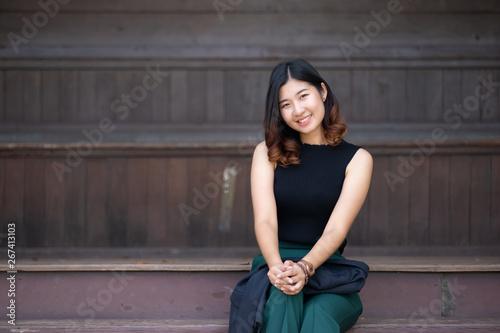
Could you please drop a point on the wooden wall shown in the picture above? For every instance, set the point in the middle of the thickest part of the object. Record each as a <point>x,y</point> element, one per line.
<point>450,199</point>
<point>212,67</point>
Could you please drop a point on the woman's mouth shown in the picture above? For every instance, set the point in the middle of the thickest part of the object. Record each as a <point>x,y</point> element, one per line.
<point>305,120</point>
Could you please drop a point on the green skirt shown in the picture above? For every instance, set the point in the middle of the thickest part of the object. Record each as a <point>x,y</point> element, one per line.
<point>330,313</point>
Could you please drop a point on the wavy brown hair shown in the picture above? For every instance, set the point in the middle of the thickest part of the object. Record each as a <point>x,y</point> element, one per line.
<point>283,143</point>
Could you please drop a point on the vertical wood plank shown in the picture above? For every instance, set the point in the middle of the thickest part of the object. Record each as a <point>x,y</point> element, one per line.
<point>197,180</point>
<point>87,95</point>
<point>419,202</point>
<point>398,202</point>
<point>158,204</point>
<point>126,107</point>
<point>243,202</point>
<point>439,200</point>
<point>141,97</point>
<point>161,99</point>
<point>117,205</point>
<point>469,85</point>
<point>75,205</point>
<point>460,199</point>
<point>137,199</point>
<point>34,199</point>
<point>50,96</point>
<point>197,101</point>
<point>379,203</point>
<point>480,201</point>
<point>379,91</point>
<point>96,202</point>
<point>214,191</point>
<point>340,84</point>
<point>415,108</point>
<point>360,86</point>
<point>2,95</point>
<point>178,197</point>
<point>396,80</point>
<point>55,201</point>
<point>255,95</point>
<point>2,195</point>
<point>104,94</point>
<point>452,88</point>
<point>490,103</point>
<point>235,95</point>
<point>31,96</point>
<point>14,193</point>
<point>178,110</point>
<point>68,95</point>
<point>495,199</point>
<point>433,91</point>
<point>14,96</point>
<point>215,97</point>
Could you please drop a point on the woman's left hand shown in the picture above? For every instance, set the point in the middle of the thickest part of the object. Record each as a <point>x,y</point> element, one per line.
<point>293,279</point>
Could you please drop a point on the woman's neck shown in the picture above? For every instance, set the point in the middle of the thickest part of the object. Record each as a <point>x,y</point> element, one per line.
<point>314,138</point>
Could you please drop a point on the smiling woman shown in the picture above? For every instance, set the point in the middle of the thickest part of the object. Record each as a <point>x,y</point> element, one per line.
<point>298,101</point>
<point>308,185</point>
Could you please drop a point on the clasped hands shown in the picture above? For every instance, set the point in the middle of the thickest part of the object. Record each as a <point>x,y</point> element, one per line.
<point>287,277</point>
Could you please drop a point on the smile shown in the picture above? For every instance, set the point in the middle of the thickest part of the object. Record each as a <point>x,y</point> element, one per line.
<point>304,121</point>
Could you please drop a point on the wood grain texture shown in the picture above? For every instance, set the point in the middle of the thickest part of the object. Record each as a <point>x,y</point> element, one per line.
<point>34,204</point>
<point>379,203</point>
<point>117,207</point>
<point>31,96</point>
<point>193,6</point>
<point>460,173</point>
<point>96,203</point>
<point>75,212</point>
<point>158,203</point>
<point>439,199</point>
<point>480,199</point>
<point>146,201</point>
<point>50,96</point>
<point>2,95</point>
<point>132,190</point>
<point>53,218</point>
<point>197,97</point>
<point>14,193</point>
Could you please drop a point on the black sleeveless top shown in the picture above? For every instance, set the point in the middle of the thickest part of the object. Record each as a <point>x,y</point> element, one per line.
<point>306,193</point>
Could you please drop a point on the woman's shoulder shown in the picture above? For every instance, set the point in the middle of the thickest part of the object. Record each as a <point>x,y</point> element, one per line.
<point>260,149</point>
<point>359,155</point>
<point>261,146</point>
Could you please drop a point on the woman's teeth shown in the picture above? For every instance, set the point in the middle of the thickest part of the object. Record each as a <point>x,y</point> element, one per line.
<point>305,119</point>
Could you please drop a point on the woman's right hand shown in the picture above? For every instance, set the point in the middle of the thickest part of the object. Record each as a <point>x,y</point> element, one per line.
<point>287,277</point>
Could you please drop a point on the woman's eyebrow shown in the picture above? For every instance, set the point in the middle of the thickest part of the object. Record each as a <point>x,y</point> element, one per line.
<point>295,95</point>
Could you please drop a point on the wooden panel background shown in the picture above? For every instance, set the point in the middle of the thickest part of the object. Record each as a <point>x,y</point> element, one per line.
<point>215,69</point>
<point>137,202</point>
<point>236,96</point>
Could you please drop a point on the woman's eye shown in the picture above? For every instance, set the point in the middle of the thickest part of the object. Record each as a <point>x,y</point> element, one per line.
<point>284,105</point>
<point>303,96</point>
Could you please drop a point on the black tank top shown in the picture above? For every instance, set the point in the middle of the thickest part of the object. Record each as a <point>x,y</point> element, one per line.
<point>306,193</point>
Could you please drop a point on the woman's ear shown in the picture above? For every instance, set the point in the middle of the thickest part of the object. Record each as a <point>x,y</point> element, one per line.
<point>324,92</point>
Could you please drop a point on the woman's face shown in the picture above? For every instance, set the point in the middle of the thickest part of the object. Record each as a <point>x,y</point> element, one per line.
<point>302,106</point>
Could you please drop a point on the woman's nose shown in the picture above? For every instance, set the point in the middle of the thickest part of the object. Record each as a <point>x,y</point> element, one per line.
<point>298,109</point>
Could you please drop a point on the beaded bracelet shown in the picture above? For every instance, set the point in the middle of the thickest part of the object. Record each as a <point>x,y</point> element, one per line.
<point>301,265</point>
<point>309,267</point>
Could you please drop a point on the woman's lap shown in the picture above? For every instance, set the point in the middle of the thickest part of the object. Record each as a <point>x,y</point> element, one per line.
<point>320,313</point>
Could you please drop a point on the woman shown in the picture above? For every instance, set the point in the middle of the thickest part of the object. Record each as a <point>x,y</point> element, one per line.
<point>308,185</point>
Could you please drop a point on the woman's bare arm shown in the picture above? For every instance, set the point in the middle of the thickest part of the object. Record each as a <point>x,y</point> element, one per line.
<point>264,205</point>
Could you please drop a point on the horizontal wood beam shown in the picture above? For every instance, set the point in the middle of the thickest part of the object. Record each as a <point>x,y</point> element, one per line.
<point>322,61</point>
<point>254,6</point>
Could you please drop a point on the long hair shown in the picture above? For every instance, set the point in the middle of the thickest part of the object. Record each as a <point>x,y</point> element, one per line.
<point>283,143</point>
